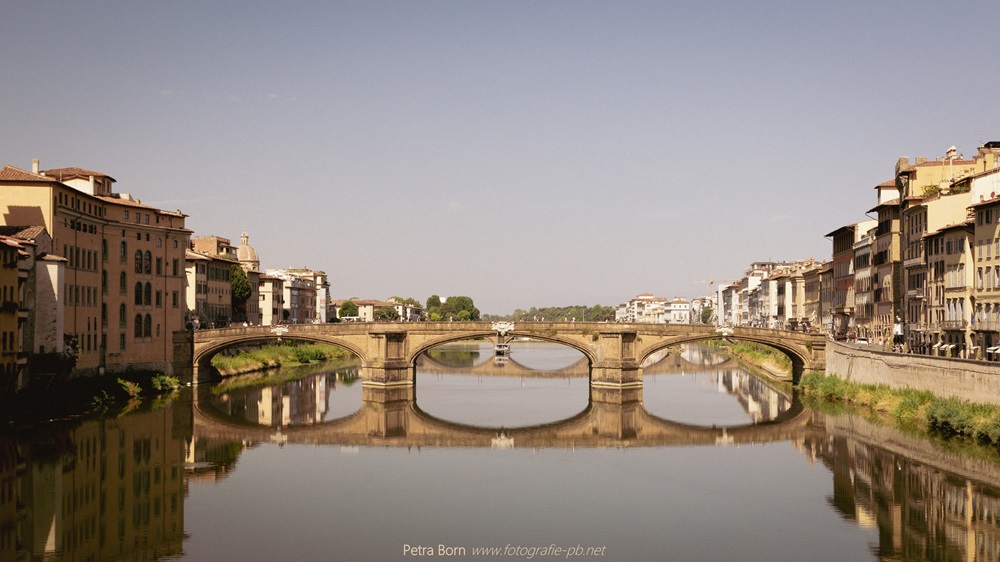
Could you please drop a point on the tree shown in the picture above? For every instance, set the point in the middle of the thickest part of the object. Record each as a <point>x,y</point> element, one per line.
<point>241,291</point>
<point>348,309</point>
<point>706,315</point>
<point>433,301</point>
<point>386,314</point>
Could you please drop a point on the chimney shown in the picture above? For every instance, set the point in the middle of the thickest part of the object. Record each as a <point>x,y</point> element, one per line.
<point>34,166</point>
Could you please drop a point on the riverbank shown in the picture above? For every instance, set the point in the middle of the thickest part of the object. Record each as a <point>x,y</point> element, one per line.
<point>948,417</point>
<point>272,357</point>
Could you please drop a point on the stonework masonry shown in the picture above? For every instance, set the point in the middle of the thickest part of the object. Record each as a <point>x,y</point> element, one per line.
<point>976,381</point>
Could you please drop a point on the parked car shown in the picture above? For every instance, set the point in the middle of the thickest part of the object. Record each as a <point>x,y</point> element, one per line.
<point>862,341</point>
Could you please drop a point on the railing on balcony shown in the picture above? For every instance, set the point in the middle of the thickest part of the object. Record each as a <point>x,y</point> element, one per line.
<point>954,324</point>
<point>986,326</point>
<point>916,293</point>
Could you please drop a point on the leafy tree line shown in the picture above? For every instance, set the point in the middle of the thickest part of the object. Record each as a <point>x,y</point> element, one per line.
<point>579,313</point>
<point>457,308</point>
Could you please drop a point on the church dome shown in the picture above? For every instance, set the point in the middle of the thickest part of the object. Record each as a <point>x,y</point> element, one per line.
<point>246,254</point>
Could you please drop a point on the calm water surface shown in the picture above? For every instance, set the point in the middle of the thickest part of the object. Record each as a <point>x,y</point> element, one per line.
<point>707,463</point>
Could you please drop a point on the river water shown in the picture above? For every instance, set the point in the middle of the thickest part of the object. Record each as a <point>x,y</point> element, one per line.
<point>483,460</point>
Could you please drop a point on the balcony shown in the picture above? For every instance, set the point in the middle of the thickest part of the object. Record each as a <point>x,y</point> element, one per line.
<point>914,262</point>
<point>954,324</point>
<point>986,326</point>
<point>916,293</point>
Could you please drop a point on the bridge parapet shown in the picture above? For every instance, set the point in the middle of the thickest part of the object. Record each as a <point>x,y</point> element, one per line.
<point>388,351</point>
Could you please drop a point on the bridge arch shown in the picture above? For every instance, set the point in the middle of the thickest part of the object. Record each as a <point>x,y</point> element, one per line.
<point>412,358</point>
<point>202,358</point>
<point>387,351</point>
<point>800,355</point>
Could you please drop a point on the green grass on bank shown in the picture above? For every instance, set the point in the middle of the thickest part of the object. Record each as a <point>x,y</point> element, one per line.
<point>276,356</point>
<point>762,355</point>
<point>945,416</point>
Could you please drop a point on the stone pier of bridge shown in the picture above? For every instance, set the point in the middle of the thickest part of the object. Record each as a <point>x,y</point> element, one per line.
<point>615,367</point>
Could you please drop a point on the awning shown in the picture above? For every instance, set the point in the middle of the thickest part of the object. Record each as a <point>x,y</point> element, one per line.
<point>992,349</point>
<point>951,347</point>
<point>937,345</point>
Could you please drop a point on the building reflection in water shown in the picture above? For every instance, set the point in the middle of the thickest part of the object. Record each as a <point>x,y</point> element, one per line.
<point>302,401</point>
<point>115,488</point>
<point>98,490</point>
<point>922,511</point>
<point>759,399</point>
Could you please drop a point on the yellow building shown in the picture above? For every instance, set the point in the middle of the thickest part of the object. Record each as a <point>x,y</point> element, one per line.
<point>12,360</point>
<point>123,289</point>
<point>209,291</point>
<point>986,287</point>
<point>927,204</point>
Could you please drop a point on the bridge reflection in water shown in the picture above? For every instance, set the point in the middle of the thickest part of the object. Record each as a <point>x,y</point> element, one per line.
<point>391,416</point>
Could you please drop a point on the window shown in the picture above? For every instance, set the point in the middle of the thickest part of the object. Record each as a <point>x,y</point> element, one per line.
<point>121,315</point>
<point>121,346</point>
<point>104,250</point>
<point>138,261</point>
<point>159,242</point>
<point>147,262</point>
<point>173,298</point>
<point>138,326</point>
<point>159,266</point>
<point>138,293</point>
<point>159,299</point>
<point>122,283</point>
<point>147,324</point>
<point>104,281</point>
<point>126,214</point>
<point>147,298</point>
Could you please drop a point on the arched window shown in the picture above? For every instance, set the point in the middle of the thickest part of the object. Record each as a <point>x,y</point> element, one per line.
<point>124,249</point>
<point>138,325</point>
<point>104,281</point>
<point>147,327</point>
<point>104,314</point>
<point>104,250</point>
<point>147,262</point>
<point>121,315</point>
<point>138,261</point>
<point>138,293</point>
<point>147,296</point>
<point>122,283</point>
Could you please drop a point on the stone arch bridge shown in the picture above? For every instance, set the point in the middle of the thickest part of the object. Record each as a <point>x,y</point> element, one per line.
<point>388,351</point>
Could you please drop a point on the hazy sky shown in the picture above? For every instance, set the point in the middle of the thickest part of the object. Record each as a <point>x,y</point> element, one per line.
<point>520,153</point>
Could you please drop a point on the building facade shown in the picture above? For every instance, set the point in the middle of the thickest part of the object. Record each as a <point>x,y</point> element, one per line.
<point>123,283</point>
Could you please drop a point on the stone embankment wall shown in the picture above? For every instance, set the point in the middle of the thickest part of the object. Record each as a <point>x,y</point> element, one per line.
<point>976,381</point>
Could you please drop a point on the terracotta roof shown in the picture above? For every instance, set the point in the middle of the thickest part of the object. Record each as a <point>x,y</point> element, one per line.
<point>965,224</point>
<point>887,183</point>
<point>73,172</point>
<point>889,203</point>
<point>10,173</point>
<point>22,232</point>
<point>126,202</point>
<point>986,202</point>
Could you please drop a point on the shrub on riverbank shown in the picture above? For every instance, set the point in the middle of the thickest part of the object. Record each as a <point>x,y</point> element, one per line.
<point>945,416</point>
<point>277,356</point>
<point>762,355</point>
